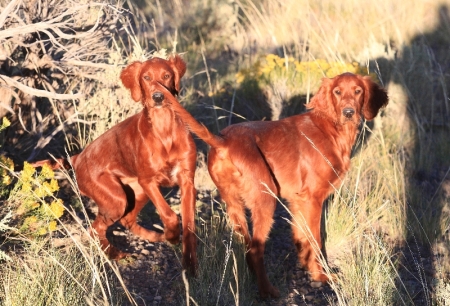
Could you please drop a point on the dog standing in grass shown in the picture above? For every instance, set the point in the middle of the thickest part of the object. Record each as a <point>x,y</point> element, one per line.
<point>124,167</point>
<point>302,159</point>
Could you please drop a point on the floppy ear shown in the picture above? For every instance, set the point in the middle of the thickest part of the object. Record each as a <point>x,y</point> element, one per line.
<point>375,97</point>
<point>179,68</point>
<point>130,79</point>
<point>323,100</point>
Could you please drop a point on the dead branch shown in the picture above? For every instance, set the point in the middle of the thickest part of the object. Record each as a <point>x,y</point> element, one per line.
<point>7,10</point>
<point>37,92</point>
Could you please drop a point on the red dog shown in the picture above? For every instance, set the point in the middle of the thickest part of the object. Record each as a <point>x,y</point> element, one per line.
<point>123,168</point>
<point>302,158</point>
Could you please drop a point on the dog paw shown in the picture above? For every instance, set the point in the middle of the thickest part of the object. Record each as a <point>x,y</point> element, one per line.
<point>173,238</point>
<point>116,254</point>
<point>323,278</point>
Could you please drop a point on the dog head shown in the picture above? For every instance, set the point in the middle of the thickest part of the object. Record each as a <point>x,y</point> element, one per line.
<point>346,97</point>
<point>141,79</point>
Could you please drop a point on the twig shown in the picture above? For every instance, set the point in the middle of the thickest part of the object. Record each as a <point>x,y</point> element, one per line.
<point>38,92</point>
<point>7,10</point>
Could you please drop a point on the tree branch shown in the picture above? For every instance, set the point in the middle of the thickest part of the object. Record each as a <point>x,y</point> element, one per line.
<point>7,10</point>
<point>38,92</point>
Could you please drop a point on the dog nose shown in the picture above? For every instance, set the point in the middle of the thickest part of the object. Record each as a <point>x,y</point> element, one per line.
<point>158,97</point>
<point>348,112</point>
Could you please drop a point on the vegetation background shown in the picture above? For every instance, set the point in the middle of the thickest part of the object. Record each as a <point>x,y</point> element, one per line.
<point>389,222</point>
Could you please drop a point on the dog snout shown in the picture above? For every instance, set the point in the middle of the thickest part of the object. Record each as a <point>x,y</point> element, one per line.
<point>158,97</point>
<point>348,112</point>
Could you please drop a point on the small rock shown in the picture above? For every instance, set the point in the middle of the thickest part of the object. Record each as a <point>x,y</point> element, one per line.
<point>316,284</point>
<point>309,298</point>
<point>303,290</point>
<point>145,252</point>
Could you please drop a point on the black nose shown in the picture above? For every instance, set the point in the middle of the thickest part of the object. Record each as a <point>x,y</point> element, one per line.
<point>158,97</point>
<point>348,112</point>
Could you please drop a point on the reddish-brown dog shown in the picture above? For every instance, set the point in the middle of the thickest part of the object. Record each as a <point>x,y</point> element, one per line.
<point>302,158</point>
<point>123,168</point>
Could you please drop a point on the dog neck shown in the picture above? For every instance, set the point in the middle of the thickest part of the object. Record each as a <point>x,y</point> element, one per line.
<point>161,121</point>
<point>344,136</point>
<point>346,140</point>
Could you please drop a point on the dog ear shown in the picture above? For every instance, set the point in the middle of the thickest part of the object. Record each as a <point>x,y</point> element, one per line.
<point>375,97</point>
<point>179,68</point>
<point>130,79</point>
<point>323,99</point>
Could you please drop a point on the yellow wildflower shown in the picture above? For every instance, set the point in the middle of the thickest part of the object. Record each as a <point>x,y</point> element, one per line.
<point>7,163</point>
<point>30,221</point>
<point>5,123</point>
<point>52,226</point>
<point>26,187</point>
<point>6,180</point>
<point>42,191</point>
<point>27,172</point>
<point>57,208</point>
<point>42,231</point>
<point>240,77</point>
<point>47,172</point>
<point>54,185</point>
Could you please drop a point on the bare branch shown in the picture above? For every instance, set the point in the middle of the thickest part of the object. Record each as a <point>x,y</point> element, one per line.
<point>38,92</point>
<point>86,64</point>
<point>52,25</point>
<point>7,10</point>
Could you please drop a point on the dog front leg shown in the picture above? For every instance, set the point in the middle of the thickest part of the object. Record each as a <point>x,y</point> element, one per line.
<point>168,216</point>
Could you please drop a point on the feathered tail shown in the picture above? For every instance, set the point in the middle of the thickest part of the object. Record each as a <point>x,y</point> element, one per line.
<point>193,125</point>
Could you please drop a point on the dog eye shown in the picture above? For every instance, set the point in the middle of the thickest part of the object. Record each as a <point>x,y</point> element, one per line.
<point>337,92</point>
<point>166,76</point>
<point>147,77</point>
<point>358,91</point>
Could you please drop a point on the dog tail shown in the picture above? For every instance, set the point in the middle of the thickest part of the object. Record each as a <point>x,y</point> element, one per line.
<point>194,126</point>
<point>54,164</point>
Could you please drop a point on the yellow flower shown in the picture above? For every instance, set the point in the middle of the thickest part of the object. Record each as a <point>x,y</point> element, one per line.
<point>52,226</point>
<point>57,208</point>
<point>279,61</point>
<point>30,221</point>
<point>54,185</point>
<point>47,172</point>
<point>266,69</point>
<point>26,187</point>
<point>42,191</point>
<point>5,123</point>
<point>42,231</point>
<point>240,77</point>
<point>6,180</point>
<point>27,172</point>
<point>7,162</point>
